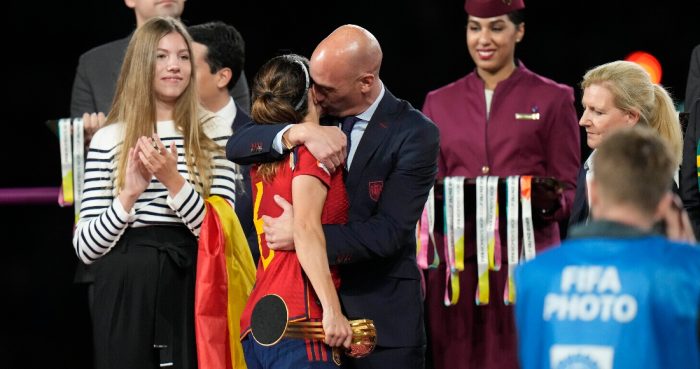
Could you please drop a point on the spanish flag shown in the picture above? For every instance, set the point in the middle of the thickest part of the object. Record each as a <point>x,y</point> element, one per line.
<point>225,277</point>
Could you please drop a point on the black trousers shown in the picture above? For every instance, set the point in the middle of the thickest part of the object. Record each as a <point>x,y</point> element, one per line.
<point>143,311</point>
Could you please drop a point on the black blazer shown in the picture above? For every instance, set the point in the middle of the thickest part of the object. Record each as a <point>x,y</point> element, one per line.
<point>392,172</point>
<point>689,192</point>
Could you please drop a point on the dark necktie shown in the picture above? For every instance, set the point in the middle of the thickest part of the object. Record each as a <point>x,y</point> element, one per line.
<point>346,126</point>
<point>348,123</point>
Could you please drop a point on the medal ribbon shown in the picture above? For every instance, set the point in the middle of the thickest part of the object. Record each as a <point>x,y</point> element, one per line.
<point>64,138</point>
<point>512,195</point>
<point>458,222</point>
<point>426,235</point>
<point>492,214</point>
<point>78,164</point>
<point>528,229</point>
<point>482,257</point>
<point>451,273</point>
<point>697,161</point>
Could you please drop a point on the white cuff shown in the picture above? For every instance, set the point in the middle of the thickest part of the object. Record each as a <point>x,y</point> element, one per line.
<point>277,142</point>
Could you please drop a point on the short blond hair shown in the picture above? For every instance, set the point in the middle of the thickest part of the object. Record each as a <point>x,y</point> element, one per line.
<point>634,167</point>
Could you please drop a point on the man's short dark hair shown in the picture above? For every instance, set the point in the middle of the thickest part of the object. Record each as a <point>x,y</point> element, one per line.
<point>634,166</point>
<point>226,48</point>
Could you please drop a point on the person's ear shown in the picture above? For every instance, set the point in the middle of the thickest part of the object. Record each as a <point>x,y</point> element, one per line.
<point>366,82</point>
<point>130,3</point>
<point>632,117</point>
<point>223,76</point>
<point>520,32</point>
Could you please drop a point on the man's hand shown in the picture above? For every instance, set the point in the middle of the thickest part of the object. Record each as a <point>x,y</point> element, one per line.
<point>91,123</point>
<point>326,143</point>
<point>678,226</point>
<point>279,232</point>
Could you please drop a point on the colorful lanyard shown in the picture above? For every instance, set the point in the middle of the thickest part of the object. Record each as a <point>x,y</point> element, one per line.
<point>454,236</point>
<point>64,139</point>
<point>492,233</point>
<point>72,146</point>
<point>482,254</point>
<point>697,161</point>
<point>512,196</point>
<point>425,234</point>
<point>528,228</point>
<point>78,165</point>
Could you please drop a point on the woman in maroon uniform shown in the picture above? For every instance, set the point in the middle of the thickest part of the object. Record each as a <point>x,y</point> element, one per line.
<point>499,120</point>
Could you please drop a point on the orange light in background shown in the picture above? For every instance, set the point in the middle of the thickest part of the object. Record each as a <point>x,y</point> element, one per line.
<point>648,62</point>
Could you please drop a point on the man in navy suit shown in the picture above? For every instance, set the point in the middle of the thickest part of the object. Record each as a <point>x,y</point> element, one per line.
<point>391,166</point>
<point>218,51</point>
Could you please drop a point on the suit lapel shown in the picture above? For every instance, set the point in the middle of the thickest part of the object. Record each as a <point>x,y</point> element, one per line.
<point>376,131</point>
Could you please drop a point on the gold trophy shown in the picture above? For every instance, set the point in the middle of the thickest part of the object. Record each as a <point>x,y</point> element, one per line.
<point>269,325</point>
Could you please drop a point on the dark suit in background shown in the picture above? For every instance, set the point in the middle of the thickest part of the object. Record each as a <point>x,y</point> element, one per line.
<point>689,191</point>
<point>392,171</point>
<point>692,87</point>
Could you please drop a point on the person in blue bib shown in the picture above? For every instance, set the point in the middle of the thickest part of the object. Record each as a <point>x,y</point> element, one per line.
<point>615,295</point>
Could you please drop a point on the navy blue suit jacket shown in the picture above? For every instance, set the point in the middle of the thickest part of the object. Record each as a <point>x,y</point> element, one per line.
<point>244,196</point>
<point>392,172</point>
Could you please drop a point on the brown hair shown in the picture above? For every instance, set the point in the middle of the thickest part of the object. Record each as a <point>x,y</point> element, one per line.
<point>134,103</point>
<point>634,166</point>
<point>280,96</point>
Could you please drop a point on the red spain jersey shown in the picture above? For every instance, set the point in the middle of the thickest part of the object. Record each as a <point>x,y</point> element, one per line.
<point>279,272</point>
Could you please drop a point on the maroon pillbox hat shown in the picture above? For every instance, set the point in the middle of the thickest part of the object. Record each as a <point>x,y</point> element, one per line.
<point>492,8</point>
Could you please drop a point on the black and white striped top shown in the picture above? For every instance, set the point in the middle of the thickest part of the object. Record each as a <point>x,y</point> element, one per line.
<point>103,219</point>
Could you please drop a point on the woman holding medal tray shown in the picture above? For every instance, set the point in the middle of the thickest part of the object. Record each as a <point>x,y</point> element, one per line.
<point>500,120</point>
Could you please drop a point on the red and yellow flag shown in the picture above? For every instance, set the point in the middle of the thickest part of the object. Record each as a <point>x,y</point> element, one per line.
<point>225,277</point>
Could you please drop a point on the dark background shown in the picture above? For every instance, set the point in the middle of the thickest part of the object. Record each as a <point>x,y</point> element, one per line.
<point>44,320</point>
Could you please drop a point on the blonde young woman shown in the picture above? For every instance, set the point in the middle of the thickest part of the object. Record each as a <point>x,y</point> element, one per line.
<point>147,174</point>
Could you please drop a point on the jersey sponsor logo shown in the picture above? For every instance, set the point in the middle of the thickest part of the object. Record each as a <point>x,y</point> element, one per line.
<point>590,293</point>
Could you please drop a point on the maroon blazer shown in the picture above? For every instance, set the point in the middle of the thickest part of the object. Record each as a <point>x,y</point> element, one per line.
<point>506,145</point>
